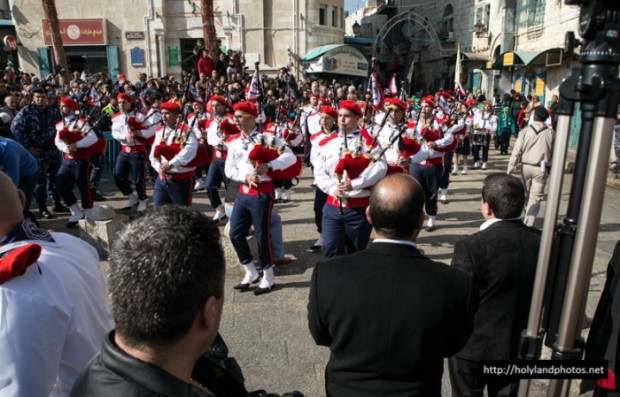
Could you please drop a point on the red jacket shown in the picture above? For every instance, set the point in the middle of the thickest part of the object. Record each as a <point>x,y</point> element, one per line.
<point>205,65</point>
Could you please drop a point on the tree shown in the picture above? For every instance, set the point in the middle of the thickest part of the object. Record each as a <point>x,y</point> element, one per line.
<point>208,25</point>
<point>49,10</point>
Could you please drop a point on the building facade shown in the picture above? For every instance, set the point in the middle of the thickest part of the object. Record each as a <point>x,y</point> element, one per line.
<point>156,36</point>
<point>505,44</point>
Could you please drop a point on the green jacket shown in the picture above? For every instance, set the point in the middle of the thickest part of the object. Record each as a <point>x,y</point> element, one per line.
<point>506,122</point>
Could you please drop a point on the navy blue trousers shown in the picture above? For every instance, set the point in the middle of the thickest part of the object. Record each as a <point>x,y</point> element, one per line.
<point>74,172</point>
<point>215,177</point>
<point>252,210</point>
<point>344,234</point>
<point>429,177</point>
<point>177,191</point>
<point>134,163</point>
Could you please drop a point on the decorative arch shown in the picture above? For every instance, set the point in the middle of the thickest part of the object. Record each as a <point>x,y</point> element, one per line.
<point>410,17</point>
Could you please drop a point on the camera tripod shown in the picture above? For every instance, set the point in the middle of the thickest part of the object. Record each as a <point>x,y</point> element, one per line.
<point>567,249</point>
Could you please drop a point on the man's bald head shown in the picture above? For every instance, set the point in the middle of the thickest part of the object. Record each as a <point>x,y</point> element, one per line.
<point>11,204</point>
<point>395,209</point>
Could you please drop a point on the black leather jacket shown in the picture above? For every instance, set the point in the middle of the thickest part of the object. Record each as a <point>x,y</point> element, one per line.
<point>114,373</point>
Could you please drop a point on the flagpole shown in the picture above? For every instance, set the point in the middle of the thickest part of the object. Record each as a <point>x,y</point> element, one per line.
<point>457,71</point>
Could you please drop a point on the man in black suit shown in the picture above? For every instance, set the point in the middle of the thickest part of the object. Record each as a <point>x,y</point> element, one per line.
<point>501,258</point>
<point>388,313</point>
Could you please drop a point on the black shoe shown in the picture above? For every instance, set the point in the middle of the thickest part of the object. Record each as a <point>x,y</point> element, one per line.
<point>244,286</point>
<point>71,225</point>
<point>261,291</point>
<point>429,228</point>
<point>314,248</point>
<point>46,214</point>
<point>59,208</point>
<point>98,195</point>
<point>285,201</point>
<point>129,207</point>
<point>221,221</point>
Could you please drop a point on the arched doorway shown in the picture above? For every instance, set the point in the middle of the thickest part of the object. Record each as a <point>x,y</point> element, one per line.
<point>400,46</point>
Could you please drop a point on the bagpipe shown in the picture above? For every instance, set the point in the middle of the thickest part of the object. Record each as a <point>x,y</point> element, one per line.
<point>263,153</point>
<point>405,147</point>
<point>71,136</point>
<point>137,125</point>
<point>182,131</point>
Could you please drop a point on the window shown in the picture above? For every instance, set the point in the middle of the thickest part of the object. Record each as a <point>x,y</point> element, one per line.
<point>334,17</point>
<point>530,12</point>
<point>322,15</point>
<point>483,14</point>
<point>447,22</point>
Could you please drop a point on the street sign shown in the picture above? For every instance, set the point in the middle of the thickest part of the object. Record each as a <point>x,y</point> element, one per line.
<point>134,35</point>
<point>10,42</point>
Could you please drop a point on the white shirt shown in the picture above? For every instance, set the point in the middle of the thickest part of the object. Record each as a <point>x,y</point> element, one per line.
<point>53,322</point>
<point>489,222</point>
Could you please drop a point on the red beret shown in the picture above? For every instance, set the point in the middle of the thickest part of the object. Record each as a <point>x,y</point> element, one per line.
<point>313,95</point>
<point>397,102</point>
<point>219,99</point>
<point>470,102</point>
<point>429,100</point>
<point>68,102</point>
<point>170,106</point>
<point>351,106</point>
<point>487,103</point>
<point>329,110</point>
<point>125,97</point>
<point>246,107</point>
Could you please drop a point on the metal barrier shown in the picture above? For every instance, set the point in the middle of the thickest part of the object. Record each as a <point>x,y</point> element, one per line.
<point>112,150</point>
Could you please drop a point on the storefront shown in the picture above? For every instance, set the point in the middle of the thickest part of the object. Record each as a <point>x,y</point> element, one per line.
<point>331,61</point>
<point>85,44</point>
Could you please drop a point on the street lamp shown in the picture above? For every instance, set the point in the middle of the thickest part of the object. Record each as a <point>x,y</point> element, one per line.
<point>356,29</point>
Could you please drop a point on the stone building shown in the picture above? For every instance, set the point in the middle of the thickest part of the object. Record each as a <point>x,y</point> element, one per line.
<point>155,36</point>
<point>505,44</point>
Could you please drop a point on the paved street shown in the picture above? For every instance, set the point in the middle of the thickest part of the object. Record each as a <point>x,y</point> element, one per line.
<point>268,334</point>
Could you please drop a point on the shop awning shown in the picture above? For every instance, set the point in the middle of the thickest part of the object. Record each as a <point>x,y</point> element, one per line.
<point>470,57</point>
<point>514,58</point>
<point>336,59</point>
<point>550,57</point>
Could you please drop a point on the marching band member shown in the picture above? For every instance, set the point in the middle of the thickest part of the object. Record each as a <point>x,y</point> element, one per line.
<point>464,147</point>
<point>486,122</point>
<point>75,166</point>
<point>219,127</point>
<point>329,115</point>
<point>199,114</point>
<point>289,134</point>
<point>129,130</point>
<point>254,201</point>
<point>392,127</point>
<point>427,164</point>
<point>175,174</point>
<point>345,228</point>
<point>310,121</point>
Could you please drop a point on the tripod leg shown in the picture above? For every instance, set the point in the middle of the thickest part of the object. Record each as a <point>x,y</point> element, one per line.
<point>532,341</point>
<point>577,288</point>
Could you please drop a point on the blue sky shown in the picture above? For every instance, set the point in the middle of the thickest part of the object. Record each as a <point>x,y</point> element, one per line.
<point>353,5</point>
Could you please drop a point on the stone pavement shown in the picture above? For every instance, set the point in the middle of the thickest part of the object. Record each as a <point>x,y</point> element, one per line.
<point>268,334</point>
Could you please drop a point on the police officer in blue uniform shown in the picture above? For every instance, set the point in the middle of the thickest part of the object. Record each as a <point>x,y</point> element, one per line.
<point>34,128</point>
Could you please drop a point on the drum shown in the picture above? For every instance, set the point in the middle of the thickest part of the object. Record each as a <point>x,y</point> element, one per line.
<point>480,138</point>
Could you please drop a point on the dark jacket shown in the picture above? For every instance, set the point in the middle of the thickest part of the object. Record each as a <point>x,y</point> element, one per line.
<point>114,373</point>
<point>389,316</point>
<point>604,337</point>
<point>502,261</point>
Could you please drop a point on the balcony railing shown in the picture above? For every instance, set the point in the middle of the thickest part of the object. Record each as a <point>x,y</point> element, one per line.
<point>5,14</point>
